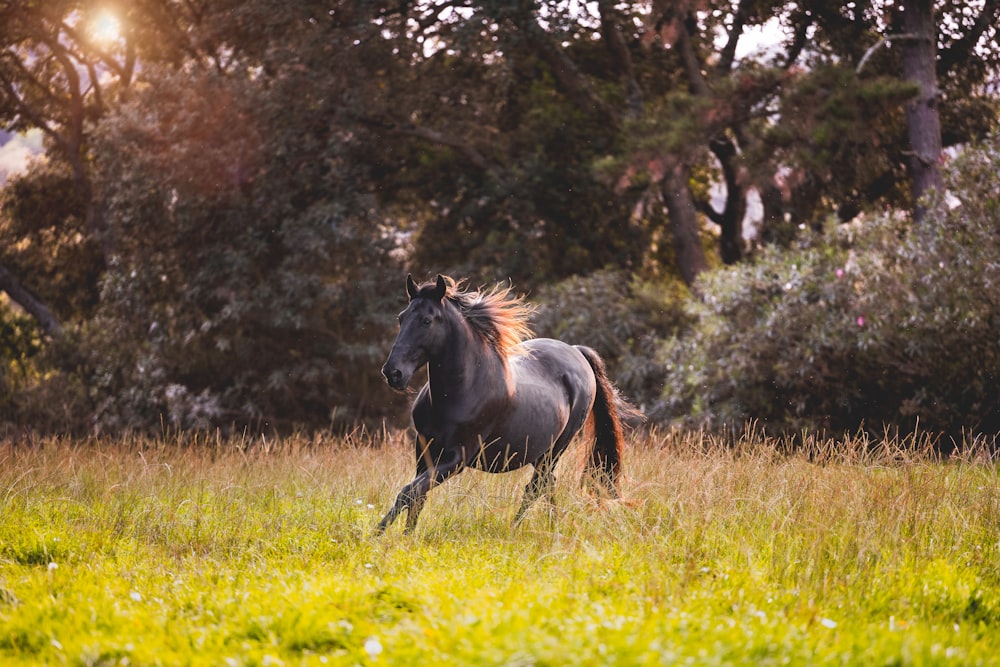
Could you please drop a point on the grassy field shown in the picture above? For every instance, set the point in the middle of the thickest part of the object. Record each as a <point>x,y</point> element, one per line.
<point>238,552</point>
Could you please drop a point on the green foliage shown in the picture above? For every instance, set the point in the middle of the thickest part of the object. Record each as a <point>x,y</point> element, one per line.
<point>536,211</point>
<point>217,551</point>
<point>222,230</point>
<point>45,242</point>
<point>249,284</point>
<point>838,139</point>
<point>873,323</point>
<point>622,318</point>
<point>20,342</point>
<point>34,396</point>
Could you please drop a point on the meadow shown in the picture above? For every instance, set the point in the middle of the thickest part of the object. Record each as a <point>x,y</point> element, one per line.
<point>200,550</point>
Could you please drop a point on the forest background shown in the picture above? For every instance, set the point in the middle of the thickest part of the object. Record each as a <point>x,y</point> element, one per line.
<point>754,210</point>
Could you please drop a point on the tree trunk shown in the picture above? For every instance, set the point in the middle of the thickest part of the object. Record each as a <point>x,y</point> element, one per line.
<point>570,79</point>
<point>730,220</point>
<point>923,121</point>
<point>618,48</point>
<point>684,224</point>
<point>774,228</point>
<point>23,297</point>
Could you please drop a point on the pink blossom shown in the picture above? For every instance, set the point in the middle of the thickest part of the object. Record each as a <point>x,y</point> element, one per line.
<point>840,273</point>
<point>861,320</point>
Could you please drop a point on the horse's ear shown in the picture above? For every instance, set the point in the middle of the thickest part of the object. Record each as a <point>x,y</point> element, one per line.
<point>411,287</point>
<point>441,288</point>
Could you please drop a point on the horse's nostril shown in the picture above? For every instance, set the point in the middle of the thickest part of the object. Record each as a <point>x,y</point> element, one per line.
<point>392,375</point>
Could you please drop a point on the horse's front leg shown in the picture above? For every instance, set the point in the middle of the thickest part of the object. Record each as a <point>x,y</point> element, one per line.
<point>413,495</point>
<point>405,501</point>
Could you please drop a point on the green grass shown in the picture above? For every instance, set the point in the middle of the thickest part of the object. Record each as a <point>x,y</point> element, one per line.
<point>218,552</point>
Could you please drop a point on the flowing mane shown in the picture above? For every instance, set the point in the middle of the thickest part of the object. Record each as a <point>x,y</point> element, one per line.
<point>497,316</point>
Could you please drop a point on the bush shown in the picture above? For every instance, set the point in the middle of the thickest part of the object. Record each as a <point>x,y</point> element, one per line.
<point>622,319</point>
<point>249,284</point>
<point>875,323</point>
<point>20,341</point>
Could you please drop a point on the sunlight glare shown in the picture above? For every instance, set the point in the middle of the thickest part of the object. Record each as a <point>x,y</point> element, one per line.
<point>105,28</point>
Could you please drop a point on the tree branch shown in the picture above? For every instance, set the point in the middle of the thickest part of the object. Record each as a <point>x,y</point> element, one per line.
<point>705,208</point>
<point>618,49</point>
<point>884,42</point>
<point>470,153</point>
<point>689,59</point>
<point>101,54</point>
<point>960,49</point>
<point>31,304</point>
<point>23,109</point>
<point>464,148</point>
<point>728,54</point>
<point>572,81</point>
<point>799,40</point>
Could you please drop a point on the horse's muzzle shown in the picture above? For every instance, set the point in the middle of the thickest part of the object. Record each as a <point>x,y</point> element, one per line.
<point>395,377</point>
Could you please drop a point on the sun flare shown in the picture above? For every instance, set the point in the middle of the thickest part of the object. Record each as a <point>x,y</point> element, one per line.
<point>105,28</point>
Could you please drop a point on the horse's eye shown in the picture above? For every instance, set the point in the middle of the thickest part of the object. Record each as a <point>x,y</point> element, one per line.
<point>426,321</point>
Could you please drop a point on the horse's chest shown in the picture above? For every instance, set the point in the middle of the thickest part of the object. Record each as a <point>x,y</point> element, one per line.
<point>483,436</point>
<point>456,421</point>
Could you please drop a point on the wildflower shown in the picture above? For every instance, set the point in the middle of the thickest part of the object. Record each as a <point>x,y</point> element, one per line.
<point>861,320</point>
<point>373,646</point>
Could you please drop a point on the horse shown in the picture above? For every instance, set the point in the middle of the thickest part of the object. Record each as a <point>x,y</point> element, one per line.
<point>496,399</point>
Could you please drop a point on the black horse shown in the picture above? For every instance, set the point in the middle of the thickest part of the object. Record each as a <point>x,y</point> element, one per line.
<point>495,400</point>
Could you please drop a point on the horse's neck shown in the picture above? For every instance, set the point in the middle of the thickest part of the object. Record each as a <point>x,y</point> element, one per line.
<point>468,368</point>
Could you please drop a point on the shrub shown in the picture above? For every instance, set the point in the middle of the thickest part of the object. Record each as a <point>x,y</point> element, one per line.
<point>620,317</point>
<point>249,284</point>
<point>19,343</point>
<point>879,323</point>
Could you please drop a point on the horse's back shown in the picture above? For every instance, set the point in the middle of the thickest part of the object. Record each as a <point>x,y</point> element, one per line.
<point>554,390</point>
<point>549,361</point>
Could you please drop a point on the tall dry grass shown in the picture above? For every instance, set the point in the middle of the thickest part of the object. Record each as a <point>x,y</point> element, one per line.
<point>724,547</point>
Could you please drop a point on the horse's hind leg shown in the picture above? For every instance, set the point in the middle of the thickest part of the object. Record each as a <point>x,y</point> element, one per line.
<point>543,481</point>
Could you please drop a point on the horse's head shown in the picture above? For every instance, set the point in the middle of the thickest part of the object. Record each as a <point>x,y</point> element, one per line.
<point>422,332</point>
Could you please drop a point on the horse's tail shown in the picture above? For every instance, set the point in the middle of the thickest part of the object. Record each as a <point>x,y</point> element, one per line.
<point>604,464</point>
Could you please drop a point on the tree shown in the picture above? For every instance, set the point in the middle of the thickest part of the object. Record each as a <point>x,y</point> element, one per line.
<point>847,143</point>
<point>253,283</point>
<point>484,151</point>
<point>881,324</point>
<point>63,64</point>
<point>56,75</point>
<point>649,106</point>
<point>272,164</point>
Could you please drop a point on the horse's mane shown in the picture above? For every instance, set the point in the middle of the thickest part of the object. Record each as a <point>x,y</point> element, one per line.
<point>498,317</point>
